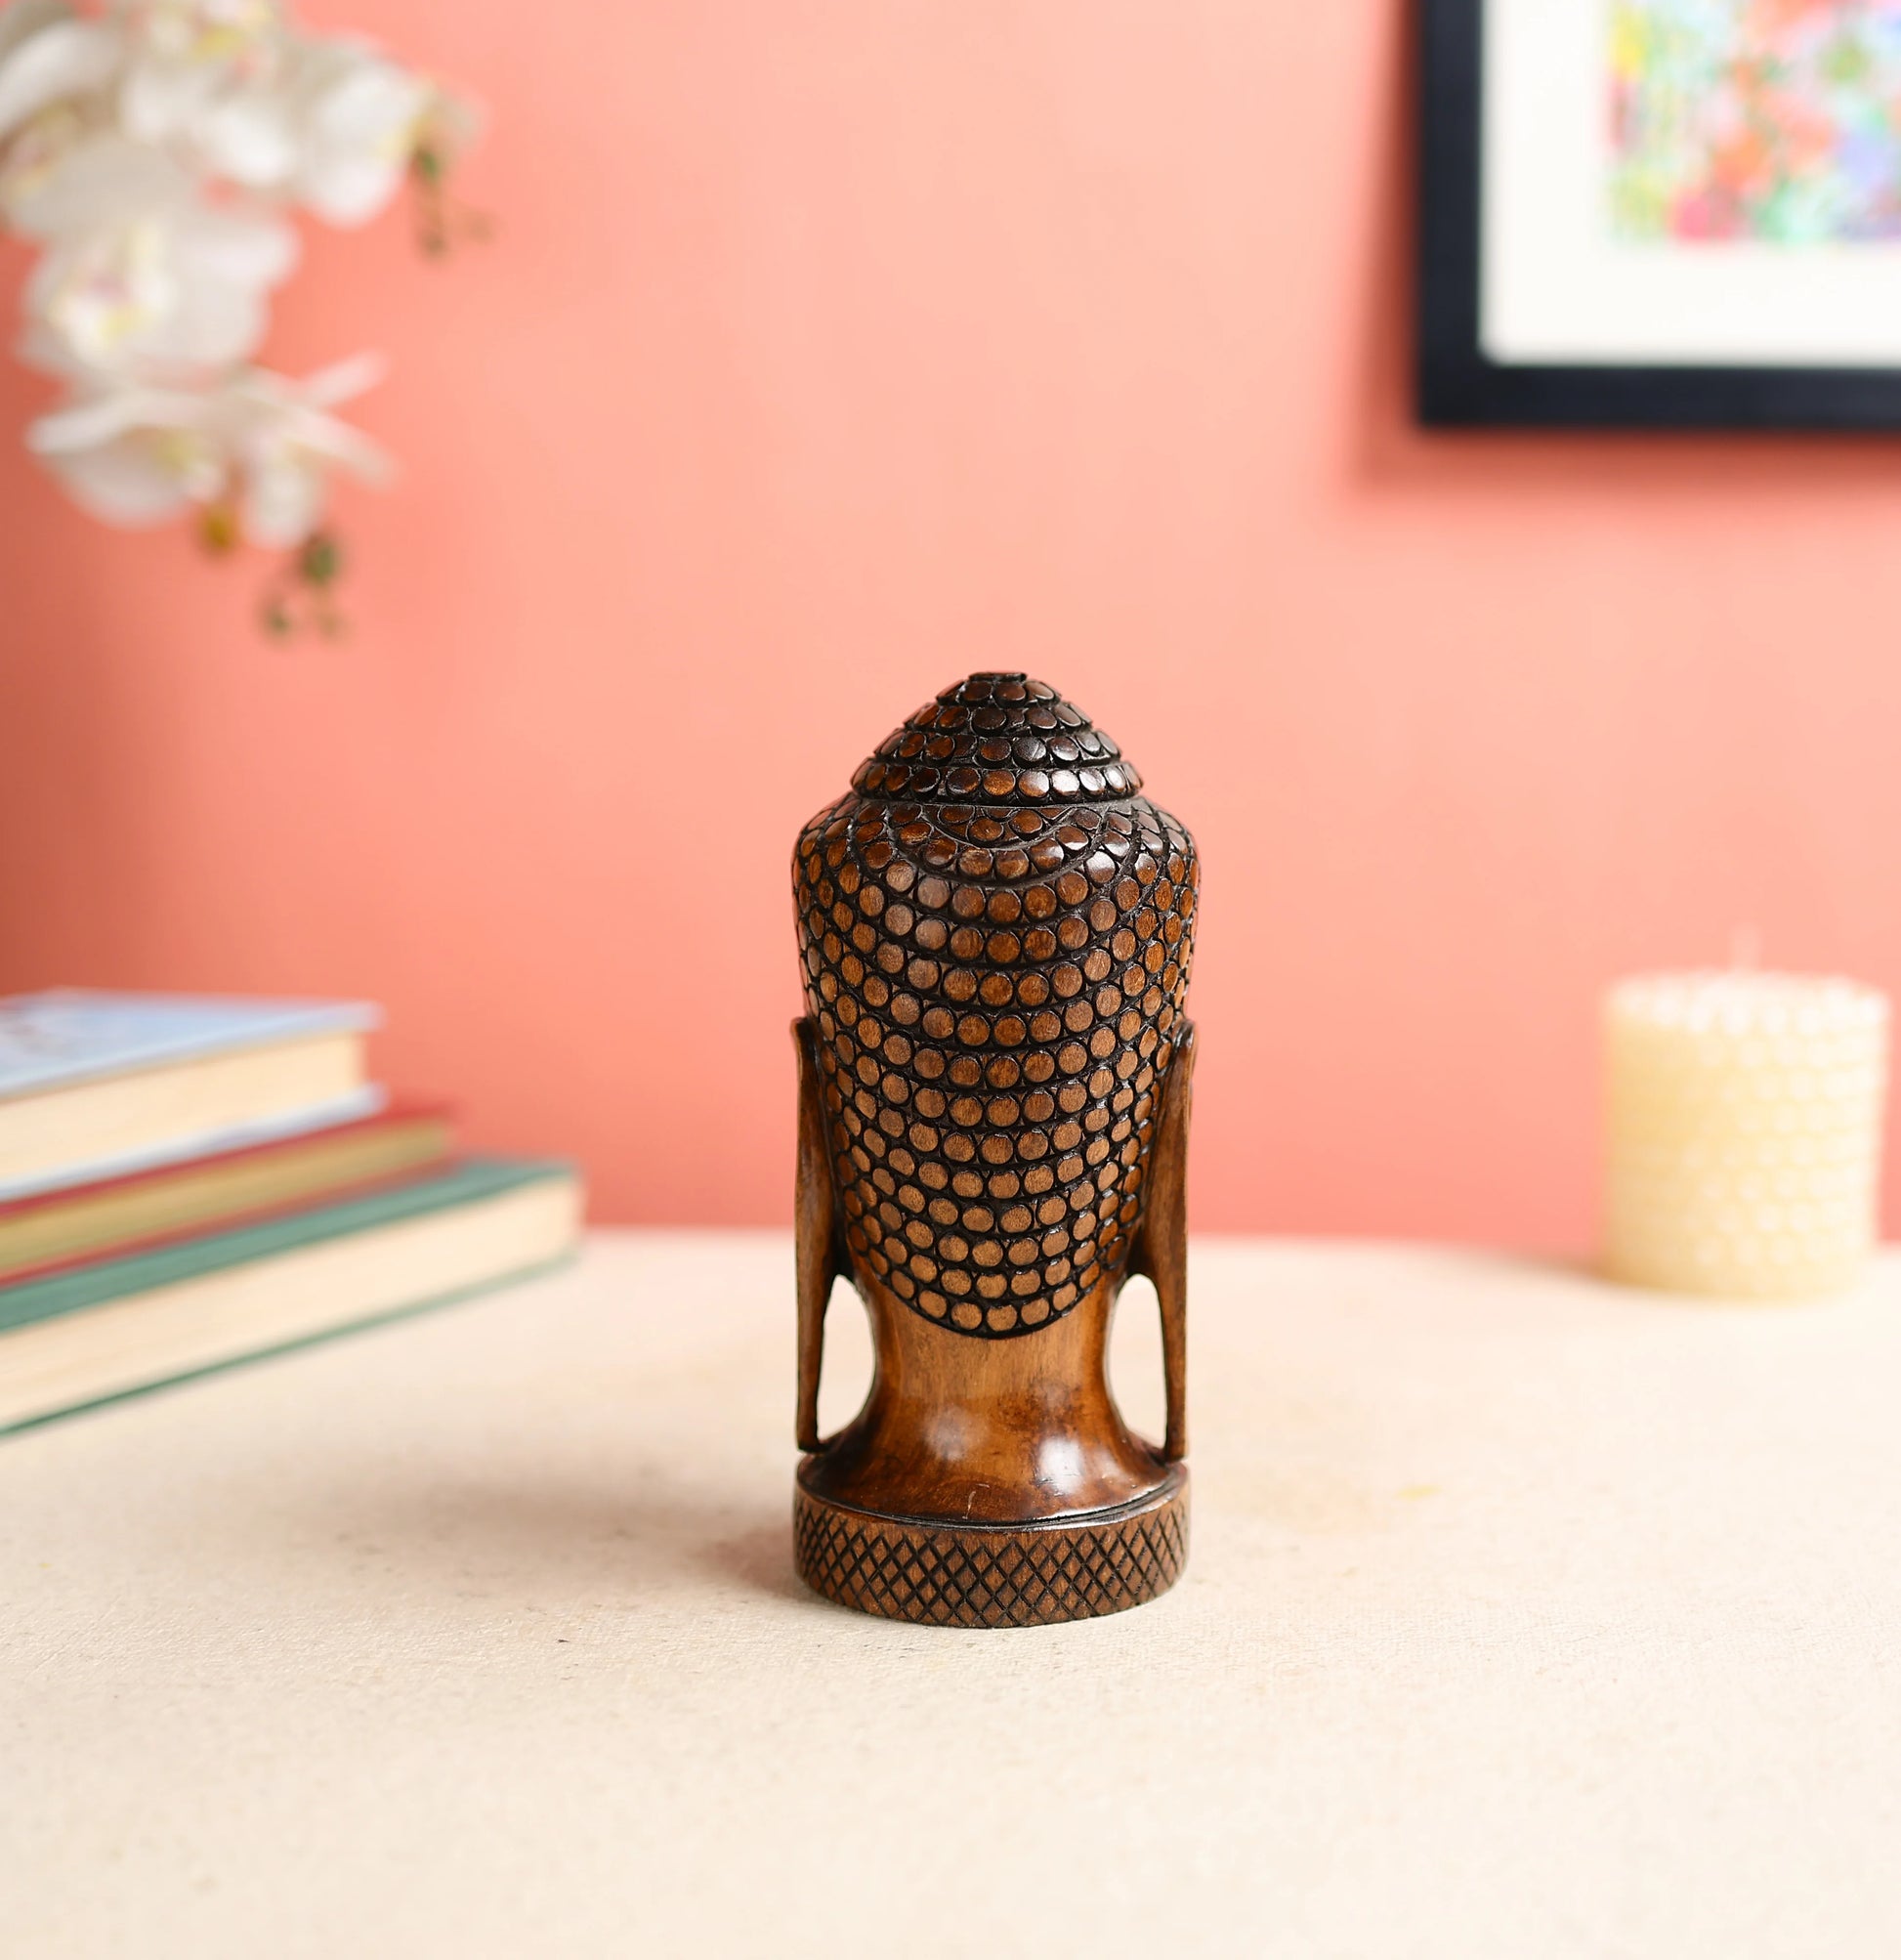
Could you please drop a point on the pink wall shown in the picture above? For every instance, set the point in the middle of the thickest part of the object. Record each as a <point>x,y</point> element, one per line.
<point>832,348</point>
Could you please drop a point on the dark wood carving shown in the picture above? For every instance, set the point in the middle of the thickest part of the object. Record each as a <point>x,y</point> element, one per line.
<point>994,1089</point>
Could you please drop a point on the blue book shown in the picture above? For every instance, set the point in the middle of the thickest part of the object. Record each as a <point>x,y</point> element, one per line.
<point>98,1084</point>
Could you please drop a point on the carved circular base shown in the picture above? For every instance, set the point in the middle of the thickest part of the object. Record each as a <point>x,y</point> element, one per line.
<point>993,1576</point>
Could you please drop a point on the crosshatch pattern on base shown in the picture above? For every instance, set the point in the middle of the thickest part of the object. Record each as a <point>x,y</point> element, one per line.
<point>997,1576</point>
<point>995,931</point>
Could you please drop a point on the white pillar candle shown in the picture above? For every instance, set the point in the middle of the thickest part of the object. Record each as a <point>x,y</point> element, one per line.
<point>1743,1116</point>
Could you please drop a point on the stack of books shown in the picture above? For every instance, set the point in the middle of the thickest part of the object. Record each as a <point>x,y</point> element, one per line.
<point>186,1183</point>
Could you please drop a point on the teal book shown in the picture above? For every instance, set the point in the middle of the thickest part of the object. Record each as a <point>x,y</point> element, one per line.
<point>117,1327</point>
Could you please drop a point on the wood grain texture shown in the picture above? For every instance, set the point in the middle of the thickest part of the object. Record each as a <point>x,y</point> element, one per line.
<point>1162,1245</point>
<point>815,1235</point>
<point>995,929</point>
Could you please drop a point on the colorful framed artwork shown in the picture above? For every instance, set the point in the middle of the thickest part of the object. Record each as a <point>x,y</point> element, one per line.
<point>1661,213</point>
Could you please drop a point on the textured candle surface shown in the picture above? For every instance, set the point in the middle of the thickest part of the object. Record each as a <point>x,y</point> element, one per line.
<point>1743,1137</point>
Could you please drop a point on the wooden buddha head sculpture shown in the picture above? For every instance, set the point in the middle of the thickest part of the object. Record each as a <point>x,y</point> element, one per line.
<point>993,1098</point>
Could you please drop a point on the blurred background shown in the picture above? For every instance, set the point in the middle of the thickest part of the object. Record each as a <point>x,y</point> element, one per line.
<point>825,350</point>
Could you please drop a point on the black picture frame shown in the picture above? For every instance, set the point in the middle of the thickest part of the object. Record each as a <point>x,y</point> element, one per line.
<point>1458,387</point>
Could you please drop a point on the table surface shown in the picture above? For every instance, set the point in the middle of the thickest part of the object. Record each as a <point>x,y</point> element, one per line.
<point>1525,1617</point>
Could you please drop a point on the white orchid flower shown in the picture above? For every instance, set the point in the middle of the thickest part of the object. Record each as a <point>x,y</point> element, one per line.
<point>53,72</point>
<point>331,123</point>
<point>219,37</point>
<point>133,455</point>
<point>48,57</point>
<point>140,275</point>
<point>288,446</point>
<point>36,151</point>
<point>208,78</point>
<point>359,116</point>
<point>151,147</point>
<point>184,57</point>
<point>101,179</point>
<point>260,445</point>
<point>165,292</point>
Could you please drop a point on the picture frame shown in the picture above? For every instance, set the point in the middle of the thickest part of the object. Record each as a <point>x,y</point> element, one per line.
<point>1737,331</point>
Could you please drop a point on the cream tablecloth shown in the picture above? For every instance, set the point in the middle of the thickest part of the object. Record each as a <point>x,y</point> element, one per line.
<point>1525,1617</point>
